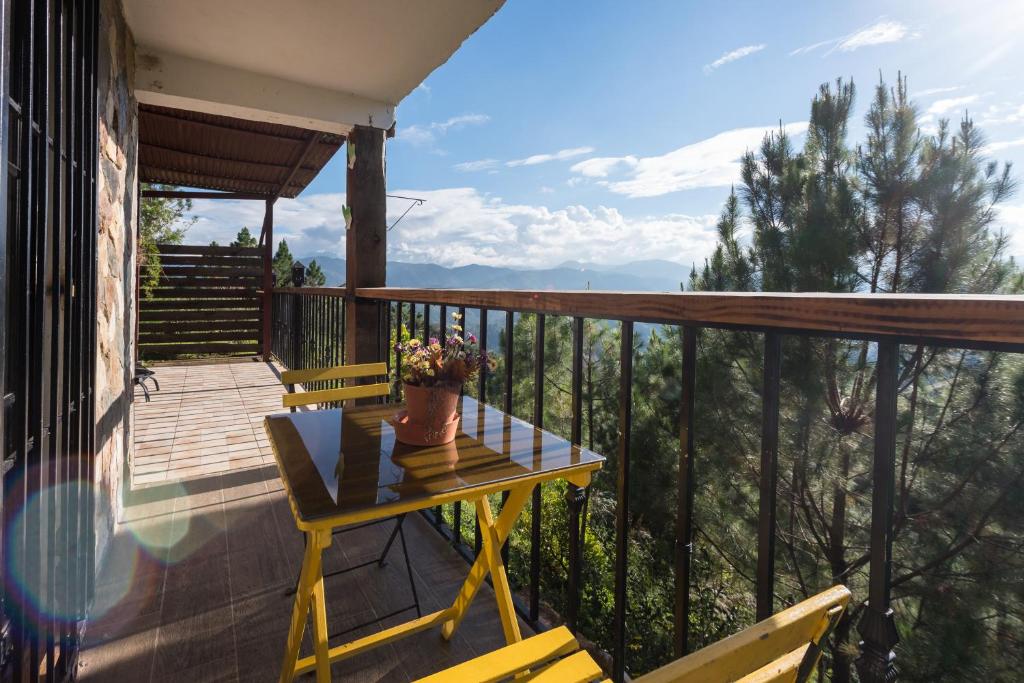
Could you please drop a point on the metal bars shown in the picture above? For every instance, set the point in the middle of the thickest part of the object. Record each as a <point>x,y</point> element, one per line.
<point>684,495</point>
<point>48,332</point>
<point>877,625</point>
<point>536,506</point>
<point>769,476</point>
<point>622,501</point>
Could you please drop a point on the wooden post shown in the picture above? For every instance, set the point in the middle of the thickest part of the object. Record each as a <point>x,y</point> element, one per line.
<point>366,240</point>
<point>268,277</point>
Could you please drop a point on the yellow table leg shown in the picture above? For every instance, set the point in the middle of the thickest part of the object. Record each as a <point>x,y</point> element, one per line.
<point>493,534</point>
<point>310,592</point>
<point>323,662</point>
<point>502,592</point>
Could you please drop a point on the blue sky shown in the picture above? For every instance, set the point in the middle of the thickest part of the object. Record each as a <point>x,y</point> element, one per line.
<point>610,131</point>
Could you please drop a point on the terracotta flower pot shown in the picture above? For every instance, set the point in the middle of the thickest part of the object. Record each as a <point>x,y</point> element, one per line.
<point>430,413</point>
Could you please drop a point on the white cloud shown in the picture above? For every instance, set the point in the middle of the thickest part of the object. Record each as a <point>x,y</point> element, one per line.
<point>600,167</point>
<point>426,134</point>
<point>713,162</point>
<point>941,107</point>
<point>1011,220</point>
<point>1003,144</point>
<point>478,165</point>
<point>881,32</point>
<point>813,46</point>
<point>928,92</point>
<point>461,226</point>
<point>733,55</point>
<point>878,33</point>
<point>560,155</point>
<point>315,218</point>
<point>1001,114</point>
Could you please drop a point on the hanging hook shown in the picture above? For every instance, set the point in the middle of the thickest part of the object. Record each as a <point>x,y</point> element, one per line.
<point>416,201</point>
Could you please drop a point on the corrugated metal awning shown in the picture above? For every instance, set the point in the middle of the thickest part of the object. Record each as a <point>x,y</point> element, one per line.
<point>193,149</point>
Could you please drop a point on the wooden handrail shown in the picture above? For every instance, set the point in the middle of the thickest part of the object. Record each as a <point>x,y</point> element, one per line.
<point>952,319</point>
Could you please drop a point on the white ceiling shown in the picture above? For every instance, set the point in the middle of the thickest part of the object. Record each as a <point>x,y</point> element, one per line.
<point>376,50</point>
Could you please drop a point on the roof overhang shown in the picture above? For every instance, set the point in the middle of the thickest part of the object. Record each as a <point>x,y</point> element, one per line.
<point>240,156</point>
<point>325,65</point>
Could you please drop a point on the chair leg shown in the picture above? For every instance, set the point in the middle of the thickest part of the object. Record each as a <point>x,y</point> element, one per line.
<point>145,391</point>
<point>391,539</point>
<point>408,566</point>
<point>155,382</point>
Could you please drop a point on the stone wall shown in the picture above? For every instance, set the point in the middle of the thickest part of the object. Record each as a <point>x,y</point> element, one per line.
<point>117,213</point>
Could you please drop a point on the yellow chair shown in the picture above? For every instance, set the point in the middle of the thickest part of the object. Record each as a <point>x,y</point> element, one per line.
<point>292,400</point>
<point>784,648</point>
<point>340,372</point>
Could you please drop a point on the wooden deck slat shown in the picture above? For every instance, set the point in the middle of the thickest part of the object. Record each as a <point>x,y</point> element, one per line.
<point>211,260</point>
<point>211,334</point>
<point>173,315</point>
<point>177,326</point>
<point>205,250</point>
<point>211,271</point>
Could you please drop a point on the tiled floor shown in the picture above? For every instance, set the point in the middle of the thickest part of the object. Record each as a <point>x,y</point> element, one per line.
<point>193,588</point>
<point>205,419</point>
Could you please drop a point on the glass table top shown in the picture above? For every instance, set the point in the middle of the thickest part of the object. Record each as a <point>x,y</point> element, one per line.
<point>338,462</point>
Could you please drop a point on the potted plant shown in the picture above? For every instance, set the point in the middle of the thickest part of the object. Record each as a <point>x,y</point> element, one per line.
<point>432,377</point>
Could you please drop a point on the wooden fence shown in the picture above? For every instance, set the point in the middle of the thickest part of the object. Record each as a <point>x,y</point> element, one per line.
<point>207,302</point>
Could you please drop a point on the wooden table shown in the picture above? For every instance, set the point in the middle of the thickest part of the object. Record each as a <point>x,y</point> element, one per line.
<point>341,467</point>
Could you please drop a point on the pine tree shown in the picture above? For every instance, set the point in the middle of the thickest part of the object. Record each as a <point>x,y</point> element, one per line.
<point>244,239</point>
<point>315,275</point>
<point>282,265</point>
<point>161,221</point>
<point>903,213</point>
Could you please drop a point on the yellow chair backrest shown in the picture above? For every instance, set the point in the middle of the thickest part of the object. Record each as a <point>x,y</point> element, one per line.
<point>784,647</point>
<point>340,372</point>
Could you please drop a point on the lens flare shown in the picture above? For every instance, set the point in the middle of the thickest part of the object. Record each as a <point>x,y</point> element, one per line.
<point>36,573</point>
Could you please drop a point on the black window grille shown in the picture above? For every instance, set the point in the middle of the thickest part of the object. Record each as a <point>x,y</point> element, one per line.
<point>47,317</point>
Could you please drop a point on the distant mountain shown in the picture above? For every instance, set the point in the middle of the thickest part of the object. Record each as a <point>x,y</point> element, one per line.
<point>641,276</point>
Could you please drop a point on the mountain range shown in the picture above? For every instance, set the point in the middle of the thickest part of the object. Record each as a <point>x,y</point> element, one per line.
<point>638,276</point>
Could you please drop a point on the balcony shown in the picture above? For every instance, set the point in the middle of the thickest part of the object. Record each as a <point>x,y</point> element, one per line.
<point>207,547</point>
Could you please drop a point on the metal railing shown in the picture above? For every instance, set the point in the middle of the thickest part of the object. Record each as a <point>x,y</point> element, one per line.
<point>888,322</point>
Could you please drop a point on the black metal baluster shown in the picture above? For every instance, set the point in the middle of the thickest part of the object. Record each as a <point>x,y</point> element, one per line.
<point>622,500</point>
<point>877,662</point>
<point>386,335</point>
<point>442,325</point>
<point>575,495</point>
<point>536,505</point>
<point>398,356</point>
<point>482,341</point>
<point>684,494</point>
<point>769,476</point>
<point>482,344</point>
<point>509,346</point>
